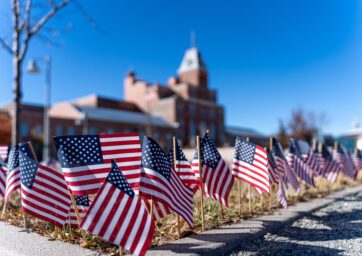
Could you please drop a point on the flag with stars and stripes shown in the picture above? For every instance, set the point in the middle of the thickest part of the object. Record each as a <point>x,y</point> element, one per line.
<point>4,150</point>
<point>344,159</point>
<point>273,170</point>
<point>319,158</point>
<point>86,159</point>
<point>183,168</point>
<point>83,203</point>
<point>330,168</point>
<point>44,192</point>
<point>119,216</point>
<point>251,165</point>
<point>160,210</point>
<point>160,182</point>
<point>357,159</point>
<point>3,172</point>
<point>281,196</point>
<point>216,177</point>
<point>283,165</point>
<point>308,156</point>
<point>13,175</point>
<point>295,160</point>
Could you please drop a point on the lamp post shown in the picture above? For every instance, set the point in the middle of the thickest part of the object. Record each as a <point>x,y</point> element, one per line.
<point>34,69</point>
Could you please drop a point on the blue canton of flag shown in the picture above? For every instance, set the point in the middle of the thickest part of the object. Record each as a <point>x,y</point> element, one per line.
<point>155,159</point>
<point>116,178</point>
<point>82,200</point>
<point>79,150</point>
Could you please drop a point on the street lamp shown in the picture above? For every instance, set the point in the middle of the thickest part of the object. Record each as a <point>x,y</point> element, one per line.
<point>33,68</point>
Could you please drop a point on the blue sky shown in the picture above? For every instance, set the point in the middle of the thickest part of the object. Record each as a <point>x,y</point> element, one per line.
<point>264,57</point>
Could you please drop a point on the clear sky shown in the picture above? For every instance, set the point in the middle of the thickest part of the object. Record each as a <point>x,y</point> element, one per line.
<point>264,57</point>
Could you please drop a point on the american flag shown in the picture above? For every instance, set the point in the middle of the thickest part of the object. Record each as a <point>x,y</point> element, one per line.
<point>160,182</point>
<point>283,165</point>
<point>281,194</point>
<point>119,216</point>
<point>308,156</point>
<point>83,203</point>
<point>344,159</point>
<point>44,192</point>
<point>86,159</point>
<point>183,168</point>
<point>251,165</point>
<point>4,152</point>
<point>13,175</point>
<point>159,210</point>
<point>319,158</point>
<point>216,177</point>
<point>2,179</point>
<point>357,159</point>
<point>297,162</point>
<point>273,168</point>
<point>330,168</point>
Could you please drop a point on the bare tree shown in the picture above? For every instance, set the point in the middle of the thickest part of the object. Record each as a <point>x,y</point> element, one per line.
<point>24,28</point>
<point>302,125</point>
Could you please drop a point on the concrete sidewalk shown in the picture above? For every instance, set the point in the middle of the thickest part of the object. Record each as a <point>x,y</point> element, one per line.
<point>16,241</point>
<point>227,238</point>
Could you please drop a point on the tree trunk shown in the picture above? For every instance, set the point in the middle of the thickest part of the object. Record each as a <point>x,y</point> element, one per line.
<point>17,99</point>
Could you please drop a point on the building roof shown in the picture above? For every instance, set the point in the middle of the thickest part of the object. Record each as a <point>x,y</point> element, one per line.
<point>122,116</point>
<point>244,132</point>
<point>192,60</point>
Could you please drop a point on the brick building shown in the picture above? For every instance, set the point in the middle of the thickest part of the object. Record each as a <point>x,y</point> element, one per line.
<point>185,106</point>
<point>186,100</point>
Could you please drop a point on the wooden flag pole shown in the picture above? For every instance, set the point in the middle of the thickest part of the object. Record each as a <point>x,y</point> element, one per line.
<point>271,187</point>
<point>239,196</point>
<point>201,183</point>
<point>176,170</point>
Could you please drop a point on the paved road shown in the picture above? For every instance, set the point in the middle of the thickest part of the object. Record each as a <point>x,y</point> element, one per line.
<point>332,230</point>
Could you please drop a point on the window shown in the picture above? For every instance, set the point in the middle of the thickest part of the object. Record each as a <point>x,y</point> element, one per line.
<point>92,131</point>
<point>169,137</point>
<point>70,130</point>
<point>38,130</point>
<point>24,129</point>
<point>58,130</point>
<point>156,136</point>
<point>192,129</point>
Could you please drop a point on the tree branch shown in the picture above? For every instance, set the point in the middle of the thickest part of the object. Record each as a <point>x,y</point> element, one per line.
<point>5,46</point>
<point>47,17</point>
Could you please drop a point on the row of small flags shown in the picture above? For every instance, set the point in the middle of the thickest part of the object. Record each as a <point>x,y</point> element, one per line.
<point>131,183</point>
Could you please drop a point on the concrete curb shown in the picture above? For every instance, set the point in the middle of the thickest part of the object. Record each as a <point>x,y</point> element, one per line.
<point>228,238</point>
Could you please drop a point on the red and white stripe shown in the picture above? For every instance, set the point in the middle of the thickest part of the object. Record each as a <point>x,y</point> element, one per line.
<point>217,183</point>
<point>172,193</point>
<point>48,199</point>
<point>281,196</point>
<point>255,174</point>
<point>120,219</point>
<point>125,149</point>
<point>4,152</point>
<point>72,217</point>
<point>160,210</point>
<point>2,181</point>
<point>187,175</point>
<point>12,182</point>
